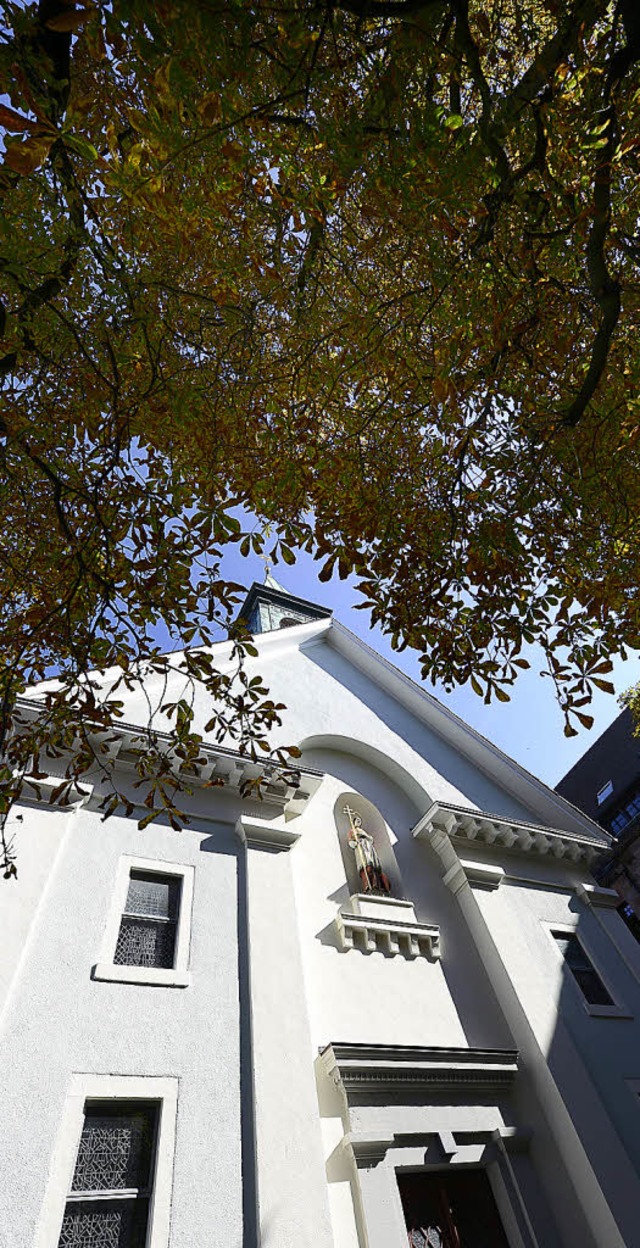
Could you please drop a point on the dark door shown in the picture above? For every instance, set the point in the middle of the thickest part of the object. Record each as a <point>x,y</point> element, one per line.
<point>451,1211</point>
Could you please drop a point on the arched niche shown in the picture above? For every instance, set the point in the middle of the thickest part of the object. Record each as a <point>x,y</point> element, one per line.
<point>376,826</point>
<point>340,755</point>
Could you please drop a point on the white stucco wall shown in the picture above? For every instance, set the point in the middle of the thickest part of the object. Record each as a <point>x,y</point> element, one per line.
<point>59,1022</point>
<point>293,1209</point>
<point>36,842</point>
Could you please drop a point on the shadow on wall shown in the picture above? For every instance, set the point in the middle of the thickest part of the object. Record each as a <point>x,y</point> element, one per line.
<point>227,843</point>
<point>592,1053</point>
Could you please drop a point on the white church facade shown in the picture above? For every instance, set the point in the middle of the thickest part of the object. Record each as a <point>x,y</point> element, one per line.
<point>387,1006</point>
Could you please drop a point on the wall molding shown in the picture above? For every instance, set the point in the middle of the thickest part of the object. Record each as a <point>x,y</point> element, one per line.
<point>388,925</point>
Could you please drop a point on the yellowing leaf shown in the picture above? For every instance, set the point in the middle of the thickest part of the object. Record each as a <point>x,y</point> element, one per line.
<point>68,22</point>
<point>210,108</point>
<point>14,121</point>
<point>26,156</point>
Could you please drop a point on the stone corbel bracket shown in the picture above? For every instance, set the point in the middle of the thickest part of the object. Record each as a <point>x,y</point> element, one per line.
<point>40,792</point>
<point>387,925</point>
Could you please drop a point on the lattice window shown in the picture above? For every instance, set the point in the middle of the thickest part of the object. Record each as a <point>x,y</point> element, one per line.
<point>582,969</point>
<point>108,1205</point>
<point>147,935</point>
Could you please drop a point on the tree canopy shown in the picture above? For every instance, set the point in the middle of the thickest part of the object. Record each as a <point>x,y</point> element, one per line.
<point>365,271</point>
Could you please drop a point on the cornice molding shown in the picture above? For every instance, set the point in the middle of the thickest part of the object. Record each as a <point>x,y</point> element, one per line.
<point>459,823</point>
<point>383,1068</point>
<point>40,793</point>
<point>223,767</point>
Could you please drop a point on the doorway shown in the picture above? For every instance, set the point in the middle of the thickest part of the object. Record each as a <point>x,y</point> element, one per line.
<point>452,1210</point>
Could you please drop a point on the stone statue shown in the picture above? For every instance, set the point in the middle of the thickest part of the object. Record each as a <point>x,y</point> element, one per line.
<point>372,877</point>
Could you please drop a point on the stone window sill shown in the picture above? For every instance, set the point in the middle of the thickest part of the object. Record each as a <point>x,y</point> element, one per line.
<point>606,1011</point>
<point>166,977</point>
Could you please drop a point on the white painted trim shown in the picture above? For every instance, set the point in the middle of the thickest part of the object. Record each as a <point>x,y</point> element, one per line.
<point>164,977</point>
<point>177,976</point>
<point>627,948</point>
<point>483,828</point>
<point>617,1009</point>
<point>91,1087</point>
<point>387,934</point>
<point>259,834</point>
<point>483,874</point>
<point>595,895</point>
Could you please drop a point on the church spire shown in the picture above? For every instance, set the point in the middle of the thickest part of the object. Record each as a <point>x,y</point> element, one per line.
<point>270,606</point>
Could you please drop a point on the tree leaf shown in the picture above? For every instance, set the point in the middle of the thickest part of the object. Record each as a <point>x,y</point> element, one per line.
<point>26,156</point>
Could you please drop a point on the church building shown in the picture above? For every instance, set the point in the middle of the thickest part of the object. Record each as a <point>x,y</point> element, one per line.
<point>387,1005</point>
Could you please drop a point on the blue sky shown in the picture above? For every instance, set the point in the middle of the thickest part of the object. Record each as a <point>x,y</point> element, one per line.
<point>529,728</point>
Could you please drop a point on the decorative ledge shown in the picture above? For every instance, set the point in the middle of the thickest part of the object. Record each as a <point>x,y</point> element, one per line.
<point>383,1067</point>
<point>39,792</point>
<point>594,895</point>
<point>486,829</point>
<point>222,766</point>
<point>263,835</point>
<point>385,924</point>
<point>481,874</point>
<point>368,1149</point>
<point>163,977</point>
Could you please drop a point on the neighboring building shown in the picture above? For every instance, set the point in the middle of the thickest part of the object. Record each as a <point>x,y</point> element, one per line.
<point>605,784</point>
<point>386,1005</point>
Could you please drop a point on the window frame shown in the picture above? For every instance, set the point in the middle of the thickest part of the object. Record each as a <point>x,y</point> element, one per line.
<point>616,1009</point>
<point>160,1090</point>
<point>125,1197</point>
<point>176,976</point>
<point>604,792</point>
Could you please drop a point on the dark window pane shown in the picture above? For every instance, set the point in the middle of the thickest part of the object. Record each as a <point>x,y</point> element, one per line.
<point>592,987</point>
<point>450,1211</point>
<point>104,1224</point>
<point>582,969</point>
<point>153,895</point>
<point>115,1148</point>
<point>143,942</point>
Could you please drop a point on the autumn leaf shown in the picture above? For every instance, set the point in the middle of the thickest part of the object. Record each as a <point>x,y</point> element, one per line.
<point>68,22</point>
<point>330,288</point>
<point>27,155</point>
<point>14,121</point>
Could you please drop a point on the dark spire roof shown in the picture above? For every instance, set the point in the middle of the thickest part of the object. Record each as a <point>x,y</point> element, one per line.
<point>269,607</point>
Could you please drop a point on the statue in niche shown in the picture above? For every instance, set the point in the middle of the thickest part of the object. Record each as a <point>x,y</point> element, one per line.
<point>372,877</point>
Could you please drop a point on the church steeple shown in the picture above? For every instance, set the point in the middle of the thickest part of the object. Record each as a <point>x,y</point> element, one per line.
<point>270,606</point>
